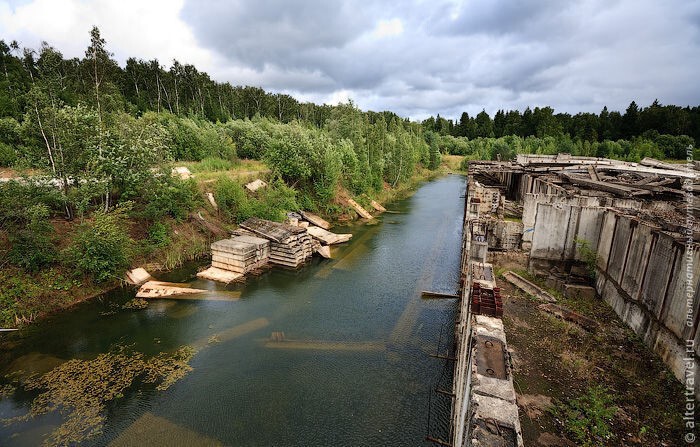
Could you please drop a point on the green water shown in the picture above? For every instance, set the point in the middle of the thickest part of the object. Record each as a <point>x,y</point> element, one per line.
<point>244,392</point>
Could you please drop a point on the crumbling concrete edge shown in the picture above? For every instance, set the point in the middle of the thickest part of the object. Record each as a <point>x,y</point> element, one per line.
<point>493,400</point>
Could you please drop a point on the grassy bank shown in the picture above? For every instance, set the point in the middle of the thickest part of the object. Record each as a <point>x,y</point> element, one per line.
<point>169,241</point>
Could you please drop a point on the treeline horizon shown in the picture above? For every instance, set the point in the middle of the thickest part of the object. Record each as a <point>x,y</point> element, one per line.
<point>146,85</point>
<point>541,122</point>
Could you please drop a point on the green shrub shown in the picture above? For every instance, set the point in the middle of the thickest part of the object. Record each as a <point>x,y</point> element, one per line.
<point>17,196</point>
<point>8,155</point>
<point>159,235</point>
<point>588,256</point>
<point>101,248</point>
<point>250,138</point>
<point>274,202</point>
<point>170,196</point>
<point>211,164</point>
<point>232,200</point>
<point>587,418</point>
<point>32,243</point>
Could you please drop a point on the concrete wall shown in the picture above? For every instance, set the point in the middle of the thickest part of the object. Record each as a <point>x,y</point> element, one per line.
<point>531,200</point>
<point>641,273</point>
<point>557,228</point>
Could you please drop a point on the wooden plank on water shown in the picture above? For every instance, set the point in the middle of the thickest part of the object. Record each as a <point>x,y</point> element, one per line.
<point>431,294</point>
<point>217,274</point>
<point>327,237</point>
<point>377,206</point>
<point>316,220</point>
<point>159,289</point>
<point>359,210</point>
<point>322,345</point>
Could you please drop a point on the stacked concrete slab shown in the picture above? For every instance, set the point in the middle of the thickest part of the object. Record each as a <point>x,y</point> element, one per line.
<point>240,254</point>
<point>290,246</point>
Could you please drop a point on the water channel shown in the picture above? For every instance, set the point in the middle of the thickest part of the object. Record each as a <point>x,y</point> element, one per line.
<point>353,368</point>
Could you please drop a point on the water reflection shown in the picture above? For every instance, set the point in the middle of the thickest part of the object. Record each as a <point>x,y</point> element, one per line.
<point>352,367</point>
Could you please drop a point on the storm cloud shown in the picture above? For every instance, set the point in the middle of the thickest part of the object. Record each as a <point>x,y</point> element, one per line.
<point>419,57</point>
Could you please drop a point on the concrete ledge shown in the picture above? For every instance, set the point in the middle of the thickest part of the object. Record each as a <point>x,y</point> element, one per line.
<point>490,386</point>
<point>495,422</point>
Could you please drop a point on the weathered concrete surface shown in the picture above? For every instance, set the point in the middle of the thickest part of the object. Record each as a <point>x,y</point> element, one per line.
<point>643,274</point>
<point>551,229</point>
<point>658,272</point>
<point>559,228</point>
<point>219,275</point>
<point>620,245</point>
<point>490,411</point>
<point>492,394</point>
<point>484,410</point>
<point>579,291</point>
<point>638,255</point>
<point>607,231</point>
<point>588,228</point>
<point>505,235</point>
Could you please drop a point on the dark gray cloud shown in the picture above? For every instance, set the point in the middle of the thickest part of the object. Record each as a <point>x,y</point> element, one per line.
<point>424,57</point>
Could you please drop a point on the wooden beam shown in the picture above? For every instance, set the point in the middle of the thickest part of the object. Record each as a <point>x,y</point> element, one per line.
<point>592,172</point>
<point>429,294</point>
<point>625,191</point>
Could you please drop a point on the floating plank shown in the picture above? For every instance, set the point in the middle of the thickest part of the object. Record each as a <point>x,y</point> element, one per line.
<point>327,237</point>
<point>220,275</point>
<point>359,210</point>
<point>316,220</point>
<point>430,294</point>
<point>278,341</point>
<point>377,206</point>
<point>159,289</point>
<point>528,287</point>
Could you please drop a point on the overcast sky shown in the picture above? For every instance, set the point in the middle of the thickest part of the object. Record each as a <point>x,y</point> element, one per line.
<point>416,58</point>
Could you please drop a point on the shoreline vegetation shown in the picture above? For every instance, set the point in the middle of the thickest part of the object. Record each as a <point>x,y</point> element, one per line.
<point>88,148</point>
<point>55,289</point>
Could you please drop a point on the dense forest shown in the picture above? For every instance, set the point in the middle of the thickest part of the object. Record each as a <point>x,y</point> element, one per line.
<point>95,143</point>
<point>655,131</point>
<point>90,145</point>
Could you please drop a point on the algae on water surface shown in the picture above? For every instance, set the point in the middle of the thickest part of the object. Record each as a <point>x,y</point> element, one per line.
<point>81,389</point>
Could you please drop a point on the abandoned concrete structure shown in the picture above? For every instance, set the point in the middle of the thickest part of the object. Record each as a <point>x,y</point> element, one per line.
<point>631,226</point>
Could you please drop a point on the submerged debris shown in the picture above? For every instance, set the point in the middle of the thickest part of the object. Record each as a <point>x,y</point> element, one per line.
<point>6,390</point>
<point>81,389</point>
<point>135,304</point>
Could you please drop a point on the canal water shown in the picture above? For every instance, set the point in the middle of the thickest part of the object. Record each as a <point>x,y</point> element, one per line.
<point>352,368</point>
